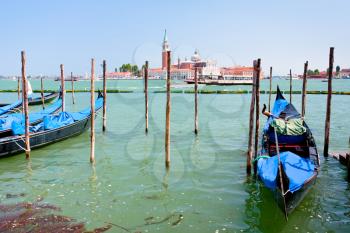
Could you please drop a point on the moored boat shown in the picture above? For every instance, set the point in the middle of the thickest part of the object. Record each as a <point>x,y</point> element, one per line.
<point>34,118</point>
<point>288,163</point>
<point>32,100</point>
<point>53,128</point>
<point>10,108</point>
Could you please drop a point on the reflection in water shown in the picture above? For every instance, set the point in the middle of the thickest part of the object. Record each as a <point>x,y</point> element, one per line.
<point>261,210</point>
<point>29,170</point>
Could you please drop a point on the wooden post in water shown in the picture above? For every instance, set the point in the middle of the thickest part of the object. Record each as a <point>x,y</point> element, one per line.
<point>303,97</point>
<point>146,95</point>
<point>18,87</point>
<point>270,89</point>
<point>42,92</point>
<point>92,103</point>
<point>62,88</point>
<point>104,116</point>
<point>25,104</point>
<point>257,110</point>
<point>348,165</point>
<point>290,86</point>
<point>196,100</point>
<point>72,82</point>
<point>329,102</point>
<point>167,117</point>
<point>251,126</point>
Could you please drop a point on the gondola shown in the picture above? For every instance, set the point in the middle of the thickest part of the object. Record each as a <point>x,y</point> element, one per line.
<point>288,162</point>
<point>34,118</point>
<point>10,108</point>
<point>53,128</point>
<point>32,100</point>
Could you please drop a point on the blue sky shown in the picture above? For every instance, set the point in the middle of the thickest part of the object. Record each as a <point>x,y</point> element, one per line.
<point>284,34</point>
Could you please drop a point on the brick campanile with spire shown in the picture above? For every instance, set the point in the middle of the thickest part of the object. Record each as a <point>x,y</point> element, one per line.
<point>164,51</point>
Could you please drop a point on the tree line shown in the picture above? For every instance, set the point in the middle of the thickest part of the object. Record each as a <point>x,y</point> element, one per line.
<point>317,72</point>
<point>134,69</point>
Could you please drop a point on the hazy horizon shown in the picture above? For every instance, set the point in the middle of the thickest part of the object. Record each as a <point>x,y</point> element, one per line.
<point>284,35</point>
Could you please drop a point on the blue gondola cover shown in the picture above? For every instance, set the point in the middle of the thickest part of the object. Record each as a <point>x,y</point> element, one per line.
<point>6,122</point>
<point>56,121</point>
<point>297,169</point>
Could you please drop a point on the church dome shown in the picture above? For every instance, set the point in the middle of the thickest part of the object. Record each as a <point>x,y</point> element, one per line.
<point>196,57</point>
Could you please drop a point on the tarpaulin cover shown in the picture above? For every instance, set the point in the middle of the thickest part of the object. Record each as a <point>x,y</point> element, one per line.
<point>6,122</point>
<point>281,109</point>
<point>292,127</point>
<point>297,169</point>
<point>9,107</point>
<point>56,121</point>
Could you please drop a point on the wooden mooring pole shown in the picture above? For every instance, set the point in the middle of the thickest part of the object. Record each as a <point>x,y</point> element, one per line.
<point>270,89</point>
<point>92,103</point>
<point>72,82</point>
<point>348,165</point>
<point>18,87</point>
<point>303,97</point>
<point>25,104</point>
<point>257,110</point>
<point>42,92</point>
<point>196,101</point>
<point>251,126</point>
<point>290,86</point>
<point>62,88</point>
<point>329,102</point>
<point>168,109</point>
<point>146,95</point>
<point>104,115</point>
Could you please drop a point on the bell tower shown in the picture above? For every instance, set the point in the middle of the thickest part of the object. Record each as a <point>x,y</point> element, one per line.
<point>164,51</point>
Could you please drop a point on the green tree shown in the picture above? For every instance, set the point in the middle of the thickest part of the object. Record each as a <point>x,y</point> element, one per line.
<point>337,70</point>
<point>316,71</point>
<point>310,72</point>
<point>134,69</point>
<point>125,68</point>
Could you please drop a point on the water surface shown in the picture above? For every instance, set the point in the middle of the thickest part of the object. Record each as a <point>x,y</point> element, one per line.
<point>206,184</point>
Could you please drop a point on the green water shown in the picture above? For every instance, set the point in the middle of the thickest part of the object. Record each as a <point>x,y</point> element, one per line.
<point>154,85</point>
<point>207,183</point>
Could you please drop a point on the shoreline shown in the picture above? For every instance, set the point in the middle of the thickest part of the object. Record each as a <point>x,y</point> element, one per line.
<point>192,91</point>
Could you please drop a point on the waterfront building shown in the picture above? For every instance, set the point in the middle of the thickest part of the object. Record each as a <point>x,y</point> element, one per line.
<point>207,69</point>
<point>344,73</point>
<point>119,75</point>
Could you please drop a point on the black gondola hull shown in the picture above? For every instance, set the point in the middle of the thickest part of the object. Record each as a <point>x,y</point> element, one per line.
<point>15,145</point>
<point>48,98</point>
<point>294,199</point>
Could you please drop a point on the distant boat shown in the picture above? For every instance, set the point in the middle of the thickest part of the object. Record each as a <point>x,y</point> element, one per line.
<point>298,155</point>
<point>67,79</point>
<point>54,128</point>
<point>224,81</point>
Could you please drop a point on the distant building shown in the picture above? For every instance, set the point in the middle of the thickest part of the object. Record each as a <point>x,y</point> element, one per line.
<point>165,50</point>
<point>119,75</point>
<point>206,69</point>
<point>240,72</point>
<point>344,73</point>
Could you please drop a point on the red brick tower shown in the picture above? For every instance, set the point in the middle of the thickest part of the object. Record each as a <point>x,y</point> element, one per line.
<point>164,51</point>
